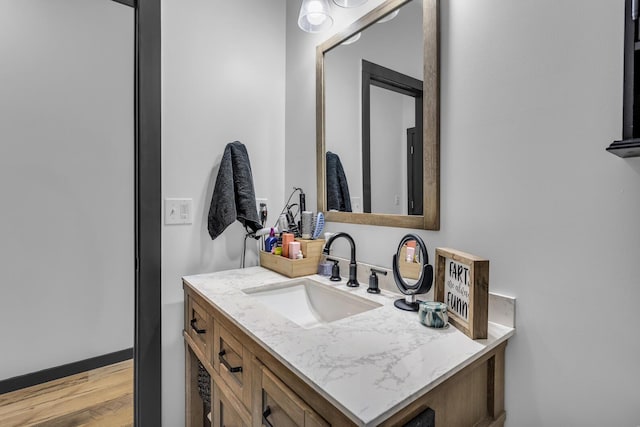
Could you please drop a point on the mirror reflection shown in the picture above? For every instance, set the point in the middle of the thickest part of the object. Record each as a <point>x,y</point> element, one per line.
<point>411,271</point>
<point>410,262</point>
<point>373,118</point>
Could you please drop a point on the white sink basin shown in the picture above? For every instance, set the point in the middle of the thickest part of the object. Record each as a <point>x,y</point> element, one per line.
<point>309,303</point>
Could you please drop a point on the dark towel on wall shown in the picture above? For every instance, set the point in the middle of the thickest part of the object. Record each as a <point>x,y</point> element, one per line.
<point>233,194</point>
<point>337,188</point>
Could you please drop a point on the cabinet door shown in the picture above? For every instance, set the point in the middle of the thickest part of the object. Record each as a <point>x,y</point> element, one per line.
<point>283,408</point>
<point>198,412</point>
<point>227,411</point>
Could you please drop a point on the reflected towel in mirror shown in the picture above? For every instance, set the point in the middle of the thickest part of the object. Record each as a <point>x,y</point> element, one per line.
<point>337,188</point>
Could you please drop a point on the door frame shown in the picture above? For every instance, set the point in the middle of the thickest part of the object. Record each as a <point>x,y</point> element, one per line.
<point>147,360</point>
<point>147,349</point>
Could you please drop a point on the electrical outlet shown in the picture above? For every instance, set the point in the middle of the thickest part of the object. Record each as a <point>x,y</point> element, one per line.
<point>259,201</point>
<point>178,211</point>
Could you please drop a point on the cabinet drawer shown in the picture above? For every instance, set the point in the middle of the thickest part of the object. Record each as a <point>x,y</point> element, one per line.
<point>199,325</point>
<point>281,407</point>
<point>233,362</point>
<point>227,412</point>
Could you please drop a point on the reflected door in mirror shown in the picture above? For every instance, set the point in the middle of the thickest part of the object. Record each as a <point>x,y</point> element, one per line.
<point>391,141</point>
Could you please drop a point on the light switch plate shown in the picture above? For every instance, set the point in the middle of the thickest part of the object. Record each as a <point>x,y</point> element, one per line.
<point>178,211</point>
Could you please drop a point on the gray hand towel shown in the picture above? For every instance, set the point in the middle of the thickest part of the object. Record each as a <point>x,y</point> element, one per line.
<point>233,195</point>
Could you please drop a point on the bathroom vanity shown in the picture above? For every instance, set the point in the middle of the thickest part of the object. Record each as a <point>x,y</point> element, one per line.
<point>356,360</point>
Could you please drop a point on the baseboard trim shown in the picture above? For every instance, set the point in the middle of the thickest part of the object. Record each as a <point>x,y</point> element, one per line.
<point>50,374</point>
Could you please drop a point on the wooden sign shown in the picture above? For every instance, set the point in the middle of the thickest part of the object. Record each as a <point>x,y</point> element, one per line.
<point>462,282</point>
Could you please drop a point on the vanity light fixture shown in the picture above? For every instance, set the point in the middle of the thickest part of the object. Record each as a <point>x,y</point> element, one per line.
<point>349,3</point>
<point>315,16</point>
<point>389,17</point>
<point>352,39</point>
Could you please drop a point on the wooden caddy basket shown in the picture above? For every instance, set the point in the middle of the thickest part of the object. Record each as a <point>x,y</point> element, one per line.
<point>312,251</point>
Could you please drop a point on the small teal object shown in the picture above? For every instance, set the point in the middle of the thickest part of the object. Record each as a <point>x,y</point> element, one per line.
<point>433,314</point>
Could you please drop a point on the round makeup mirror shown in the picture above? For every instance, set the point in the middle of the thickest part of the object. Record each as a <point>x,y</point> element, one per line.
<point>411,271</point>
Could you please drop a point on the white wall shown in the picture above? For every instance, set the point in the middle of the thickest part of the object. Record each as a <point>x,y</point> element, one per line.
<point>66,180</point>
<point>531,95</point>
<point>223,69</point>
<point>344,126</point>
<point>388,138</point>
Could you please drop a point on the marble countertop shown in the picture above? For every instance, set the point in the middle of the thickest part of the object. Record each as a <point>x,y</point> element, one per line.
<point>369,365</point>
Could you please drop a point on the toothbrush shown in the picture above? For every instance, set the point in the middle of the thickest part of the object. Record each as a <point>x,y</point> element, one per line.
<point>318,226</point>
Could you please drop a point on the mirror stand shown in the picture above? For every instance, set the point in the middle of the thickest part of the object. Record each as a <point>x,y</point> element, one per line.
<point>411,271</point>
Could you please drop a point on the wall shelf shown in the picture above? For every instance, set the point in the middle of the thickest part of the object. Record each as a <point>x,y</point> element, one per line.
<point>629,145</point>
<point>625,148</point>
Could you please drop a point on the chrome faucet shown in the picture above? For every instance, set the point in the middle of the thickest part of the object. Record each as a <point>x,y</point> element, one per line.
<point>353,266</point>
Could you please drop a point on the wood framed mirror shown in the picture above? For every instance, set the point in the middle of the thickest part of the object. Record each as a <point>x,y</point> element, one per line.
<point>373,183</point>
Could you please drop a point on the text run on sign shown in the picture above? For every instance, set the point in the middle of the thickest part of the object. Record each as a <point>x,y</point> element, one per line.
<point>457,280</point>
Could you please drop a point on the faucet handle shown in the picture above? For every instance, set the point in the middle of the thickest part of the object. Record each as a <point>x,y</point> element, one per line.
<point>373,281</point>
<point>335,270</point>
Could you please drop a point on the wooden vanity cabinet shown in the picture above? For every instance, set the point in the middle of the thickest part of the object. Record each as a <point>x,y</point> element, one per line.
<point>240,397</point>
<point>227,362</point>
<point>264,392</point>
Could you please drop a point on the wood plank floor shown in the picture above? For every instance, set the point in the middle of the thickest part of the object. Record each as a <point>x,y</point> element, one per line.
<point>101,397</point>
